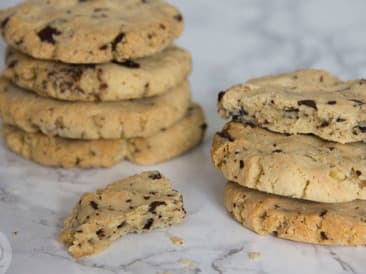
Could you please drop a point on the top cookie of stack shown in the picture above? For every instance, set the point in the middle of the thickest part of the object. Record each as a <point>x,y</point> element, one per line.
<point>96,69</point>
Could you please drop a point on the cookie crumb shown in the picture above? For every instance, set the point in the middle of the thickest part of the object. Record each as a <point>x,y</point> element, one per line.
<point>254,256</point>
<point>176,240</point>
<point>15,233</point>
<point>186,263</point>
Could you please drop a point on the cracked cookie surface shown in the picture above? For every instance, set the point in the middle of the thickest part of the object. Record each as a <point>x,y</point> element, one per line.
<point>88,120</point>
<point>304,101</point>
<point>137,204</point>
<point>59,152</point>
<point>297,166</point>
<point>97,31</point>
<point>297,220</point>
<point>140,78</point>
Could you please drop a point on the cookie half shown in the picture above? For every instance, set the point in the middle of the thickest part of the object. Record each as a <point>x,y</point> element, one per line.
<point>297,220</point>
<point>304,101</point>
<point>297,166</point>
<point>84,32</point>
<point>113,81</point>
<point>58,152</point>
<point>137,204</point>
<point>90,121</point>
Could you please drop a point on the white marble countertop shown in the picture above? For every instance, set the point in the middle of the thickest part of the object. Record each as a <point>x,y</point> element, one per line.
<point>230,41</point>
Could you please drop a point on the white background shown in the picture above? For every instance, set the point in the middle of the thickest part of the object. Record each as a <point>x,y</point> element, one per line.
<point>231,41</point>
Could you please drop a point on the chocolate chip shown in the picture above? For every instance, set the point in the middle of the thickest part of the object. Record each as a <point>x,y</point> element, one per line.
<point>220,95</point>
<point>241,164</point>
<point>155,176</point>
<point>277,151</point>
<point>358,173</point>
<point>117,40</point>
<point>331,148</point>
<point>178,17</point>
<point>94,205</point>
<point>332,102</point>
<point>275,233</point>
<point>308,103</point>
<point>147,197</point>
<point>121,225</point>
<point>324,124</point>
<point>162,26</point>
<point>362,128</point>
<point>47,33</point>
<point>321,78</point>
<point>204,126</point>
<point>323,236</point>
<point>225,134</point>
<point>148,223</point>
<point>291,109</point>
<point>155,204</point>
<point>4,22</point>
<point>103,47</point>
<point>12,64</point>
<point>340,120</point>
<point>128,64</point>
<point>323,213</point>
<point>128,201</point>
<point>100,233</point>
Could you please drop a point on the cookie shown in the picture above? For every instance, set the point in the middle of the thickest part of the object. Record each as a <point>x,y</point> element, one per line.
<point>145,77</point>
<point>297,166</point>
<point>89,121</point>
<point>304,101</point>
<point>134,205</point>
<point>297,220</point>
<point>84,32</point>
<point>67,153</point>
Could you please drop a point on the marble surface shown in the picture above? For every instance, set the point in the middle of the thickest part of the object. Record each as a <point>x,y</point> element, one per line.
<point>230,41</point>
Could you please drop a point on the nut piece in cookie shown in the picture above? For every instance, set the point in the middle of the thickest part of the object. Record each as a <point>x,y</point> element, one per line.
<point>134,205</point>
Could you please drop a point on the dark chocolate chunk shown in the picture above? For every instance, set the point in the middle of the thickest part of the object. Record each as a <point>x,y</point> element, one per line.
<point>155,176</point>
<point>121,225</point>
<point>324,124</point>
<point>220,95</point>
<point>340,120</point>
<point>4,22</point>
<point>277,151</point>
<point>204,126</point>
<point>291,109</point>
<point>12,64</point>
<point>358,173</point>
<point>128,64</point>
<point>323,236</point>
<point>275,233</point>
<point>225,134</point>
<point>100,233</point>
<point>323,213</point>
<point>155,204</point>
<point>94,205</point>
<point>332,102</point>
<point>241,164</point>
<point>178,17</point>
<point>148,223</point>
<point>117,40</point>
<point>362,127</point>
<point>103,47</point>
<point>47,34</point>
<point>308,103</point>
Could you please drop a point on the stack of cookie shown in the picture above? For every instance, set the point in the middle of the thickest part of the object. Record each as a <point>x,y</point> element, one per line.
<point>90,83</point>
<point>294,157</point>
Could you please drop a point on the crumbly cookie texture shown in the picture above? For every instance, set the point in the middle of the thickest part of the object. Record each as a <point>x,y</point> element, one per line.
<point>134,205</point>
<point>298,166</point>
<point>90,121</point>
<point>297,220</point>
<point>66,153</point>
<point>140,78</point>
<point>74,31</point>
<point>304,101</point>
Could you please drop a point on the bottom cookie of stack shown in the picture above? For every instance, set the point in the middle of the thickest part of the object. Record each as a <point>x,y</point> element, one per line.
<point>67,153</point>
<point>297,220</point>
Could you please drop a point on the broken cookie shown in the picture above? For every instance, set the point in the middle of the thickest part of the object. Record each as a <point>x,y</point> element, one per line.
<point>134,205</point>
